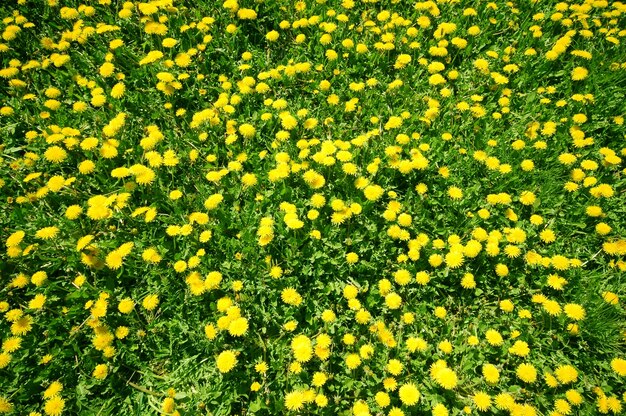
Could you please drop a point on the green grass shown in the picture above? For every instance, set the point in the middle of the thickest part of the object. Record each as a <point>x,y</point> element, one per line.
<point>167,354</point>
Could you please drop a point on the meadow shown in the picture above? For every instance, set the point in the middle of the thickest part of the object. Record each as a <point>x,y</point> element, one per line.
<point>313,207</point>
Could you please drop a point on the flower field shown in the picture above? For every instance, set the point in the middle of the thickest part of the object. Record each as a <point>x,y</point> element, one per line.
<point>320,207</point>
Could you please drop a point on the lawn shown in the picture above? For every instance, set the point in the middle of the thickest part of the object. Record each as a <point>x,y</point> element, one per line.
<point>314,207</point>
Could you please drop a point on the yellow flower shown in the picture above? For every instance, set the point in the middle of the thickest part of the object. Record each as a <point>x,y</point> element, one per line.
<point>393,300</point>
<point>520,348</point>
<point>150,302</point>
<point>22,325</point>
<point>73,211</point>
<point>507,305</point>
<point>47,233</point>
<point>319,378</point>
<point>238,327</point>
<point>11,344</point>
<point>114,260</point>
<point>579,73</point>
<point>352,258</point>
<point>151,255</point>
<point>291,296</point>
<point>574,311</point>
<point>246,14</point>
<point>491,373</point>
<point>180,266</point>
<point>526,372</point>
<point>493,337</point>
<point>121,332</point>
<point>247,130</point>
<point>566,374</point>
<point>54,406</point>
<point>619,366</point>
<point>394,367</point>
<point>101,371</point>
<point>574,397</point>
<point>302,348</point>
<point>261,367</point>
<point>454,259</point>
<point>15,239</point>
<point>294,400</point>
<point>409,394</point>
<point>353,361</point>
<point>393,122</point>
<point>552,307</point>
<point>382,399</point>
<point>373,192</point>
<point>226,361</point>
<point>468,282</point>
<point>213,201</point>
<point>272,36</point>
<point>440,410</point>
<point>126,305</point>
<point>328,316</point>
<point>5,360</point>
<point>446,378</point>
<point>37,302</point>
<point>482,401</point>
<point>107,69</point>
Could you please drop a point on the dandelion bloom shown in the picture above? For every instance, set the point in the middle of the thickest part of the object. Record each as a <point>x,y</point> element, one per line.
<point>238,327</point>
<point>409,394</point>
<point>226,361</point>
<point>54,406</point>
<point>526,372</point>
<point>579,73</point>
<point>294,400</point>
<point>302,348</point>
<point>47,233</point>
<point>150,302</point>
<point>101,371</point>
<point>619,366</point>
<point>291,296</point>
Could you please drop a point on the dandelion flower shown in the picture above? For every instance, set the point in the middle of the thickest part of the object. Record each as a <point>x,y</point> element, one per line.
<point>47,233</point>
<point>55,154</point>
<point>574,311</point>
<point>440,410</point>
<point>455,193</point>
<point>493,337</point>
<point>454,259</point>
<point>352,258</point>
<point>353,361</point>
<point>482,401</point>
<point>226,361</point>
<point>619,366</point>
<point>373,192</point>
<point>566,374</point>
<point>238,327</point>
<point>294,400</point>
<point>114,260</point>
<point>15,239</point>
<point>302,348</point>
<point>526,372</point>
<point>579,73</point>
<point>54,406</point>
<point>101,371</point>
<point>291,296</point>
<point>491,373</point>
<point>409,394</point>
<point>150,302</point>
<point>446,378</point>
<point>393,300</point>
